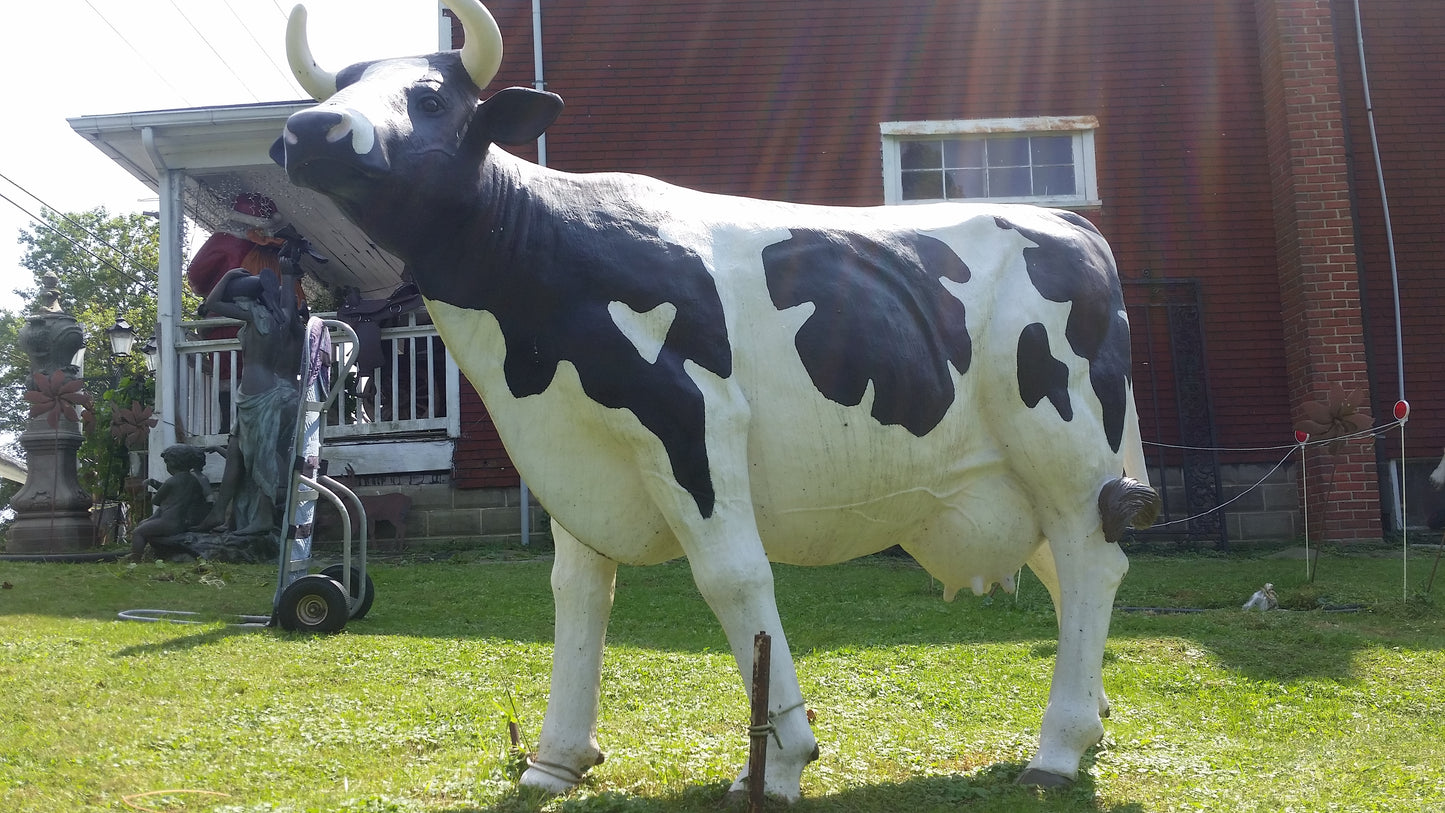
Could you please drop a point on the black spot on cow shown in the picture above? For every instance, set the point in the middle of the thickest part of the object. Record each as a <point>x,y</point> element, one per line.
<point>881,314</point>
<point>557,311</point>
<point>1040,374</point>
<point>1076,267</point>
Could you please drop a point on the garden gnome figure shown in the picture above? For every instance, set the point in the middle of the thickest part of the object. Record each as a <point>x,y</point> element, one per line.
<point>52,511</point>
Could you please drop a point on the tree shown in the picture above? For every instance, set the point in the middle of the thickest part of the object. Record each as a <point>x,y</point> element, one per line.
<point>107,266</point>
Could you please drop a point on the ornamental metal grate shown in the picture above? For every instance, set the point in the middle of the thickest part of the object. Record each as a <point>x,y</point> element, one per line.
<point>1171,390</point>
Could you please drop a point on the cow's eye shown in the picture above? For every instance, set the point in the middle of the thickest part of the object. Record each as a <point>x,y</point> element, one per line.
<point>430,104</point>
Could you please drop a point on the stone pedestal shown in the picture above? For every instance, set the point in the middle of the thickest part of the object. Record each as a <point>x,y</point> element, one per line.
<point>52,512</point>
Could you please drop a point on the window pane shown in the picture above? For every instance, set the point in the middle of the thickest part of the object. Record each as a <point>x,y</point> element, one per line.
<point>920,154</point>
<point>1008,152</point>
<point>1053,181</point>
<point>1012,182</point>
<point>922,185</point>
<point>963,153</point>
<point>1057,149</point>
<point>966,183</point>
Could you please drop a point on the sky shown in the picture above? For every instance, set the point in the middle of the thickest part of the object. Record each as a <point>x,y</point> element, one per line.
<point>65,58</point>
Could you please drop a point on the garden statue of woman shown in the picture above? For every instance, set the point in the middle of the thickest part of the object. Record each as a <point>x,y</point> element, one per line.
<point>261,447</point>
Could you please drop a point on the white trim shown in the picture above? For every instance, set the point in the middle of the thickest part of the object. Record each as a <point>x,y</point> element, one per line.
<point>389,456</point>
<point>196,139</point>
<point>1031,124</point>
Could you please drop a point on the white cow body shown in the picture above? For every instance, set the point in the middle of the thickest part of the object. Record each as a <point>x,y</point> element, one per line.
<point>807,481</point>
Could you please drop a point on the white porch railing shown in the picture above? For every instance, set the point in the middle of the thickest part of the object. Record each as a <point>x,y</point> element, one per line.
<point>409,394</point>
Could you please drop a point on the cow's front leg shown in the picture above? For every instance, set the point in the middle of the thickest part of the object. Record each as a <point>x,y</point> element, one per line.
<point>736,580</point>
<point>1089,570</point>
<point>582,587</point>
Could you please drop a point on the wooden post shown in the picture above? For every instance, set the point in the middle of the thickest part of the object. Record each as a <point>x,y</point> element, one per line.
<point>760,728</point>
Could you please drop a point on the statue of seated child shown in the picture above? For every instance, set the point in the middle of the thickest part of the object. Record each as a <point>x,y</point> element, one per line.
<point>180,504</point>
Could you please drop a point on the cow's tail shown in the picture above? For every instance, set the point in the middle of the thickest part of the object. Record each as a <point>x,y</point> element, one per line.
<point>1129,501</point>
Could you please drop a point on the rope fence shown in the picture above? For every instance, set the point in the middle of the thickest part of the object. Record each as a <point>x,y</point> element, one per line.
<point>1303,442</point>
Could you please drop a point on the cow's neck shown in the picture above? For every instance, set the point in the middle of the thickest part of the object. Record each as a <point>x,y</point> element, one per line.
<point>473,249</point>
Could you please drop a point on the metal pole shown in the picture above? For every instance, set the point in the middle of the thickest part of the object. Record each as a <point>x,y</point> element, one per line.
<point>539,80</point>
<point>758,731</point>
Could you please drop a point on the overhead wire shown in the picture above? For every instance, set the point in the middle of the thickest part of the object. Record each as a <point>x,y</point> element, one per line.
<point>129,259</point>
<point>139,54</point>
<point>81,246</point>
<point>267,52</point>
<point>206,40</point>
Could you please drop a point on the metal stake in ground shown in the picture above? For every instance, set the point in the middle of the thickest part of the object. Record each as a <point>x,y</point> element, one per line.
<point>761,726</point>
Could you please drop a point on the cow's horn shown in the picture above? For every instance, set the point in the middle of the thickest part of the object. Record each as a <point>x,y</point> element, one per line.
<point>482,40</point>
<point>319,83</point>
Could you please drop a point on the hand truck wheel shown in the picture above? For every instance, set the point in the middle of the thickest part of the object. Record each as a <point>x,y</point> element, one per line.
<point>361,594</point>
<point>313,603</point>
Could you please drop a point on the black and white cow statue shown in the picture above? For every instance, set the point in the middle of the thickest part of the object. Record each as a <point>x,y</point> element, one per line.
<point>742,382</point>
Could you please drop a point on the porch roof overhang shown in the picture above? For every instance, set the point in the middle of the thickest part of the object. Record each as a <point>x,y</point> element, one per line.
<point>224,151</point>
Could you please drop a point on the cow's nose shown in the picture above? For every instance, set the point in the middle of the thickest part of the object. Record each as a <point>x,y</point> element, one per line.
<point>328,126</point>
<point>312,125</point>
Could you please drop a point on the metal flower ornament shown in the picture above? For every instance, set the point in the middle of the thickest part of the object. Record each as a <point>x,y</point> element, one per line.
<point>132,425</point>
<point>56,396</point>
<point>1335,418</point>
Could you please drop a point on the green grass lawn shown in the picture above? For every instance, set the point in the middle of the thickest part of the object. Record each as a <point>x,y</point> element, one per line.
<point>921,705</point>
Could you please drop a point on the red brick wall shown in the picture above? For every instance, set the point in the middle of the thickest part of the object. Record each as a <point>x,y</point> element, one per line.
<point>1318,278</point>
<point>479,460</point>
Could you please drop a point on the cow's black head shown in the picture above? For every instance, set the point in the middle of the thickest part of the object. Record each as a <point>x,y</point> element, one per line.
<point>394,137</point>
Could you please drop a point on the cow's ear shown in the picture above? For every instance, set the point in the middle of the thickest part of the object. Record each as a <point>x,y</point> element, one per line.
<point>513,116</point>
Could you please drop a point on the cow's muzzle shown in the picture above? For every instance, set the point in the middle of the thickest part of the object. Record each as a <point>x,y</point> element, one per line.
<point>327,144</point>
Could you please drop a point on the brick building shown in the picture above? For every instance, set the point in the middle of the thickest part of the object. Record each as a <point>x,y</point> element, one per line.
<point>1223,147</point>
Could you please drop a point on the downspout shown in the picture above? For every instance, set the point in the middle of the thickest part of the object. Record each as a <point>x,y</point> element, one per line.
<point>540,83</point>
<point>1384,204</point>
<point>168,307</point>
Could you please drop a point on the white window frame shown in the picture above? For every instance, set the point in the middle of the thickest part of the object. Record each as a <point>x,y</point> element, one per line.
<point>1081,128</point>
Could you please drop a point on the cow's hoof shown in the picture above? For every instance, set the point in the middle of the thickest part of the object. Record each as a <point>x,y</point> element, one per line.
<point>1033,777</point>
<point>550,776</point>
<point>739,799</point>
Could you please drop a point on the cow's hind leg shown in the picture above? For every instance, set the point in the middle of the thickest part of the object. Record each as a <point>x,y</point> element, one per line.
<point>582,587</point>
<point>1088,570</point>
<point>1042,565</point>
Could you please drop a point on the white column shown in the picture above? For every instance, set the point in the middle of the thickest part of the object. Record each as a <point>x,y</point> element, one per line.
<point>168,310</point>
